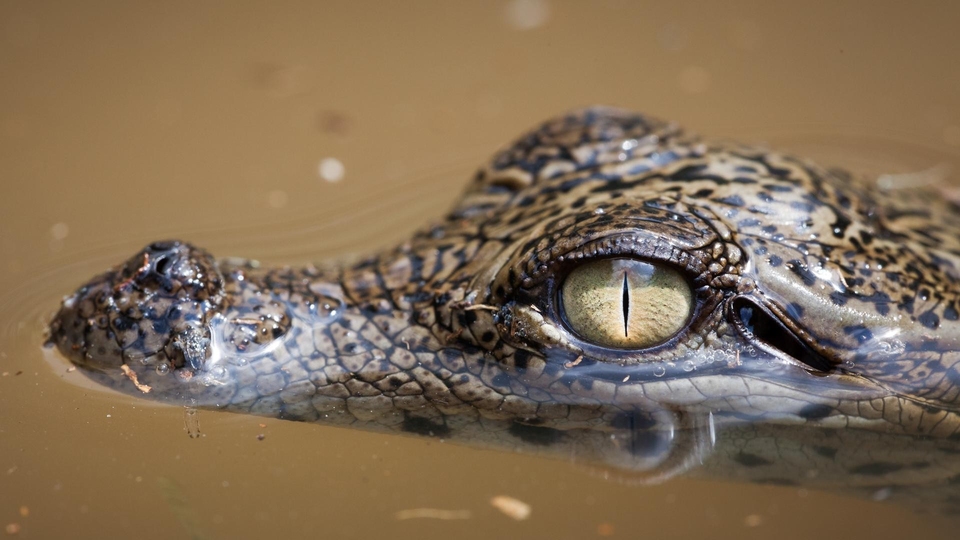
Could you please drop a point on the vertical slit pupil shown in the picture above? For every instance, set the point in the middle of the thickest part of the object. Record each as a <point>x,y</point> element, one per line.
<point>626,307</point>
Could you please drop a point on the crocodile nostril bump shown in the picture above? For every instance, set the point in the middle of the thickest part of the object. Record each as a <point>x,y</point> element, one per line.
<point>163,245</point>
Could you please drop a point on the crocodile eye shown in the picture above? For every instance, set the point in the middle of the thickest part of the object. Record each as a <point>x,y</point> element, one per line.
<point>625,303</point>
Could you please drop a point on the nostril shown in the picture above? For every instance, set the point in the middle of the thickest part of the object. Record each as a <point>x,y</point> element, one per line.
<point>162,264</point>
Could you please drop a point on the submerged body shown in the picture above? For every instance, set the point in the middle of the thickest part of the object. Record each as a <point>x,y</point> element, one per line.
<point>609,288</point>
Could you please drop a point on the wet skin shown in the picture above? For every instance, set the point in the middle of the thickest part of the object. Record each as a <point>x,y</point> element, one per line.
<point>822,310</point>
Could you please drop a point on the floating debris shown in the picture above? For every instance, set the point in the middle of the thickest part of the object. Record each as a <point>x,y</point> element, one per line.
<point>527,14</point>
<point>133,378</point>
<point>432,513</point>
<point>59,231</point>
<point>277,198</point>
<point>181,507</point>
<point>569,365</point>
<point>191,421</point>
<point>938,175</point>
<point>12,528</point>
<point>694,80</point>
<point>753,520</point>
<point>331,169</point>
<point>513,508</point>
<point>334,122</point>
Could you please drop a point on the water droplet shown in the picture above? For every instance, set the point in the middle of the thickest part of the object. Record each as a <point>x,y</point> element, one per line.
<point>163,368</point>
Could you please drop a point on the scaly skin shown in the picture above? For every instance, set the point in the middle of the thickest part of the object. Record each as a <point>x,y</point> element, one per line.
<point>457,332</point>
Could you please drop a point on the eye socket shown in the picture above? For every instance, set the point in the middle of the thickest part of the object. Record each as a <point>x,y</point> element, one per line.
<point>625,303</point>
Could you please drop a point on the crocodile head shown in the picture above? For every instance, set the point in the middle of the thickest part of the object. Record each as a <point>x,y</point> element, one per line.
<point>604,271</point>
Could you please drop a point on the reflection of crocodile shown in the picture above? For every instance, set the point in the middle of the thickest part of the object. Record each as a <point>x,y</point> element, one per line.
<point>609,289</point>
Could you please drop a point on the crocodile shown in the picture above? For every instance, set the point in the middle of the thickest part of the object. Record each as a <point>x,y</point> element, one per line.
<point>609,289</point>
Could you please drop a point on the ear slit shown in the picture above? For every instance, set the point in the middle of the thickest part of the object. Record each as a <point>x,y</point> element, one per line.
<point>760,324</point>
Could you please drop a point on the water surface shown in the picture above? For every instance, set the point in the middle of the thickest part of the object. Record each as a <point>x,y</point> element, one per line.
<point>123,124</point>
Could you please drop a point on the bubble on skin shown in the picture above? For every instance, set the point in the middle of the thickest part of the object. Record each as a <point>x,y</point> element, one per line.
<point>527,14</point>
<point>218,373</point>
<point>694,80</point>
<point>59,231</point>
<point>277,199</point>
<point>886,347</point>
<point>331,169</point>
<point>659,371</point>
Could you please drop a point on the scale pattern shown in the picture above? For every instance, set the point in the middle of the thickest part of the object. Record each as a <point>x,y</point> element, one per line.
<point>456,333</point>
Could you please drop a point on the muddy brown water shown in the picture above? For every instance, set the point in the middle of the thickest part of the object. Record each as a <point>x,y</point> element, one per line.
<point>227,124</point>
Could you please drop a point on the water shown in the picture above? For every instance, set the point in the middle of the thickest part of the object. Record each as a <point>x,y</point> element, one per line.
<point>124,124</point>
